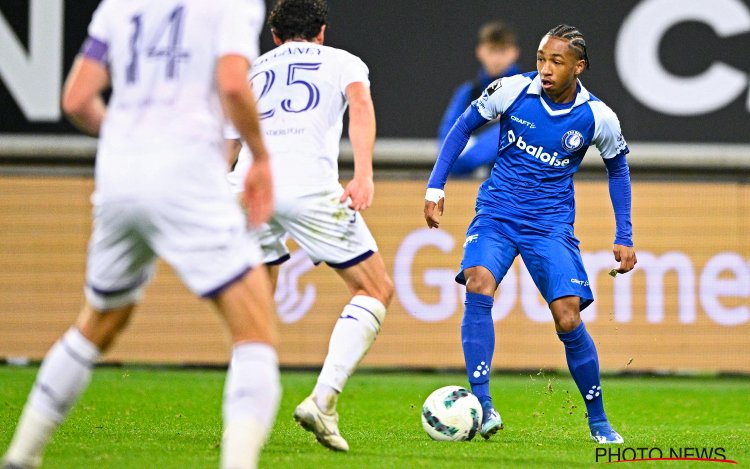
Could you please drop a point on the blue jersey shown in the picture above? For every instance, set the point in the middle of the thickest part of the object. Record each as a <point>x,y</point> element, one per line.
<point>540,146</point>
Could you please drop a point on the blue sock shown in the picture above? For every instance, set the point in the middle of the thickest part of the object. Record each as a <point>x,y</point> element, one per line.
<point>478,340</point>
<point>583,363</point>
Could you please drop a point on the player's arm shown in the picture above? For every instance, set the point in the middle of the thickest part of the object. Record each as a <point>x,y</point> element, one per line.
<point>620,194</point>
<point>481,152</point>
<point>239,104</point>
<point>232,147</point>
<point>452,147</point>
<point>611,144</point>
<point>82,100</point>
<point>361,188</point>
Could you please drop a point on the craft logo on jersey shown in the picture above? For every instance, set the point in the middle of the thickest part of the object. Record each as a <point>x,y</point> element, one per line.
<point>528,124</point>
<point>470,239</point>
<point>583,283</point>
<point>537,151</point>
<point>572,140</point>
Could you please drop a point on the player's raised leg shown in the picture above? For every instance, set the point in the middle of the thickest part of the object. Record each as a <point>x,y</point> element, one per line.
<point>583,362</point>
<point>478,341</point>
<point>353,335</point>
<point>252,390</point>
<point>64,375</point>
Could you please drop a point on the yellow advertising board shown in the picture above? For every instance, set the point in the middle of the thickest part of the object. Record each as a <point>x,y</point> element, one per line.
<point>685,307</point>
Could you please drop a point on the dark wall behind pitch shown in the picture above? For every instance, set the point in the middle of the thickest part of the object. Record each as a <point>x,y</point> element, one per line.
<point>418,51</point>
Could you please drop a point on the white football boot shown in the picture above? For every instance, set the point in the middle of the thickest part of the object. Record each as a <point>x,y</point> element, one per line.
<point>324,426</point>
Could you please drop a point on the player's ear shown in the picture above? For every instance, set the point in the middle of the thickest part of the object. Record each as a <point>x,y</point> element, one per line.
<point>321,36</point>
<point>580,67</point>
<point>276,39</point>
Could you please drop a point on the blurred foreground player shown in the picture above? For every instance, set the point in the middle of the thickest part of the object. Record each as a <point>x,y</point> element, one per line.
<point>161,191</point>
<point>304,89</point>
<point>527,206</point>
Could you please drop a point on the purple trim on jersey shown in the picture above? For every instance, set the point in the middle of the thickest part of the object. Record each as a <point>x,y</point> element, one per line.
<point>454,144</point>
<point>280,260</point>
<point>213,293</point>
<point>95,50</point>
<point>620,194</point>
<point>138,283</point>
<point>351,262</point>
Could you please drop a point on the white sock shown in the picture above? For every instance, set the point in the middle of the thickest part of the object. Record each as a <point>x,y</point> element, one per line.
<point>251,399</point>
<point>354,333</point>
<point>32,434</point>
<point>64,374</point>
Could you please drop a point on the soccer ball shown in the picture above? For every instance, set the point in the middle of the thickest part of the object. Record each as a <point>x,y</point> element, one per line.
<point>451,413</point>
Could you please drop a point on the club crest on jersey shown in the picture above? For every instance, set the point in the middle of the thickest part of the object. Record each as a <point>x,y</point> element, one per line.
<point>572,140</point>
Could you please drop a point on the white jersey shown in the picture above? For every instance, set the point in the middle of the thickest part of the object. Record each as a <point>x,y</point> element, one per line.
<point>300,87</point>
<point>162,133</point>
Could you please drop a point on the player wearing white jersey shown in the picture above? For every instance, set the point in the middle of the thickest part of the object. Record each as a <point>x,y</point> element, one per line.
<point>302,93</point>
<point>303,89</point>
<point>161,191</point>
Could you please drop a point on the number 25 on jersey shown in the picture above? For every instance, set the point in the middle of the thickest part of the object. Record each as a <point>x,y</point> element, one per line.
<point>309,94</point>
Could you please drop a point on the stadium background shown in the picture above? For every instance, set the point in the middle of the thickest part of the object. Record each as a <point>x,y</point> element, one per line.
<point>675,71</point>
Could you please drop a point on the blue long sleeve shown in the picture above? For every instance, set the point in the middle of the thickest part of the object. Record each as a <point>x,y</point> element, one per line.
<point>482,153</point>
<point>620,194</point>
<point>454,143</point>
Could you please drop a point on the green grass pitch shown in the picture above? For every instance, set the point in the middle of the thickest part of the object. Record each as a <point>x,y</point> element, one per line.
<point>133,417</point>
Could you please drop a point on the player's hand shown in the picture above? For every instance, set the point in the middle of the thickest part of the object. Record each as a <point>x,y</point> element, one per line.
<point>432,218</point>
<point>360,190</point>
<point>258,195</point>
<point>433,198</point>
<point>625,255</point>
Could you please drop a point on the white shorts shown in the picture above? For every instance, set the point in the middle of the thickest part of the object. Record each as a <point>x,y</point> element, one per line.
<point>326,229</point>
<point>205,242</point>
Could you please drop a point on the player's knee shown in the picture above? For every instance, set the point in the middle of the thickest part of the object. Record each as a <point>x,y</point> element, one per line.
<point>481,282</point>
<point>567,321</point>
<point>567,313</point>
<point>379,287</point>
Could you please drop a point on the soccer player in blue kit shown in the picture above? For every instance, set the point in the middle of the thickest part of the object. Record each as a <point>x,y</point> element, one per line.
<point>547,122</point>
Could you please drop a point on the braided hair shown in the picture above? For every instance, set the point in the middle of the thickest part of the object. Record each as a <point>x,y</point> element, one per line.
<point>572,34</point>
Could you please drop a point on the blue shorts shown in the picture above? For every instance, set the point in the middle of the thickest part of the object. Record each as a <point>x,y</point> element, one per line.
<point>550,252</point>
